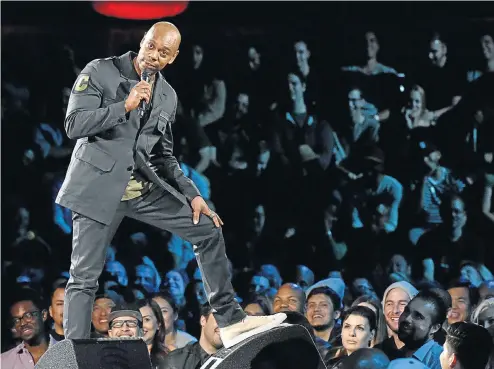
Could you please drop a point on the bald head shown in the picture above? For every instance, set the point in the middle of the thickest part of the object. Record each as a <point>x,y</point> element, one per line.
<point>291,297</point>
<point>158,48</point>
<point>366,358</point>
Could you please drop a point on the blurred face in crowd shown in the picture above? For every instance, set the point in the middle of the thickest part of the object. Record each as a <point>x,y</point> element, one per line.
<point>101,310</point>
<point>398,264</point>
<point>175,283</point>
<point>116,269</point>
<point>355,100</point>
<point>305,277</point>
<point>321,312</point>
<point>296,87</point>
<point>259,285</point>
<point>169,316</point>
<point>356,333</point>
<point>197,56</point>
<point>272,274</point>
<point>416,102</point>
<point>56,306</point>
<point>486,319</point>
<point>145,277</point>
<point>124,327</point>
<point>447,358</point>
<point>242,105</point>
<point>254,309</point>
<point>254,58</point>
<point>289,298</point>
<point>363,287</point>
<point>394,305</point>
<point>158,48</point>
<point>487,46</point>
<point>432,161</point>
<point>372,45</point>
<point>211,331</point>
<point>415,327</point>
<point>302,53</point>
<point>486,291</point>
<point>200,292</point>
<point>458,214</point>
<point>259,219</point>
<point>461,306</point>
<point>471,274</point>
<point>437,53</point>
<point>150,324</point>
<point>27,320</point>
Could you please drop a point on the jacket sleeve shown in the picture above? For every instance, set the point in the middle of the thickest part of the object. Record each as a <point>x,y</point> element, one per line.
<point>169,167</point>
<point>85,117</point>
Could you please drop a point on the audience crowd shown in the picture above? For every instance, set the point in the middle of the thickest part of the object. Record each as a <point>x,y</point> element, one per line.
<point>360,197</point>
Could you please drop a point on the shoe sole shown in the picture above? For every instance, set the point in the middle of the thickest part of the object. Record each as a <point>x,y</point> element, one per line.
<point>263,328</point>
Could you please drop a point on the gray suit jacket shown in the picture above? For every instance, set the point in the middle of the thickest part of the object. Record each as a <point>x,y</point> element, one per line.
<point>111,144</point>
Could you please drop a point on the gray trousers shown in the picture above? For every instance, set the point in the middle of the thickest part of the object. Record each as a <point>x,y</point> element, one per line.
<point>160,209</point>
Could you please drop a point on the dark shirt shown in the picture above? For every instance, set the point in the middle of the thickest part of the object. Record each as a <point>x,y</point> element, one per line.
<point>191,356</point>
<point>388,346</point>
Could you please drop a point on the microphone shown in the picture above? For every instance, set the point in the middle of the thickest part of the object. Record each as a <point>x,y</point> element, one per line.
<point>145,76</point>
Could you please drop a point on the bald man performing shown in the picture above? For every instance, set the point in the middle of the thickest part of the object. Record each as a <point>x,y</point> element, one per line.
<point>123,165</point>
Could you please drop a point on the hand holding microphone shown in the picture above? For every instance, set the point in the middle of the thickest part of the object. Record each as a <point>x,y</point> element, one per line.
<point>139,96</point>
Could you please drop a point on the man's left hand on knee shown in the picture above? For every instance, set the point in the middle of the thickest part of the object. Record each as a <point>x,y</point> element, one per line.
<point>199,207</point>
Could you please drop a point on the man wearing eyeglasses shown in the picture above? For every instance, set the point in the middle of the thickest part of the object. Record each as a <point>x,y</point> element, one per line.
<point>28,315</point>
<point>125,322</point>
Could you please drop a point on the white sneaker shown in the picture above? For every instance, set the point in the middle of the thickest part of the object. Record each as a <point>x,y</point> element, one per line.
<point>249,327</point>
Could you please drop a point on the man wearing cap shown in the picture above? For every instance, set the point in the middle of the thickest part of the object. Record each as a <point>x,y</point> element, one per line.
<point>125,322</point>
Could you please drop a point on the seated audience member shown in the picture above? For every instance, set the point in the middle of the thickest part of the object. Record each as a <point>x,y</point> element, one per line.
<point>323,310</point>
<point>56,313</point>
<point>260,305</point>
<point>357,331</point>
<point>463,297</point>
<point>374,304</point>
<point>399,269</point>
<point>483,315</point>
<point>27,317</point>
<point>467,346</point>
<point>194,355</point>
<point>409,363</point>
<point>486,290</point>
<point>102,308</point>
<point>395,299</point>
<point>304,277</point>
<point>174,338</point>
<point>125,321</point>
<point>420,320</point>
<point>175,283</point>
<point>153,327</point>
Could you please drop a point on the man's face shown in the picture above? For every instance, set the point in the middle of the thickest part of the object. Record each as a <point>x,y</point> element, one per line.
<point>458,214</point>
<point>394,305</point>
<point>116,269</point>
<point>487,46</point>
<point>437,53</point>
<point>415,325</point>
<point>27,320</point>
<point>461,305</point>
<point>124,327</point>
<point>296,87</point>
<point>211,331</point>
<point>175,283</point>
<point>145,277</point>
<point>372,45</point>
<point>302,53</point>
<point>486,291</point>
<point>56,307</point>
<point>355,101</point>
<point>158,48</point>
<point>288,299</point>
<point>363,287</point>
<point>242,105</point>
<point>305,277</point>
<point>446,357</point>
<point>398,264</point>
<point>259,284</point>
<point>101,309</point>
<point>197,56</point>
<point>320,311</point>
<point>259,219</point>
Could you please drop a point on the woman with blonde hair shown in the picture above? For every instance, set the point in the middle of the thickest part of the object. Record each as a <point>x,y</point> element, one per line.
<point>416,113</point>
<point>483,315</point>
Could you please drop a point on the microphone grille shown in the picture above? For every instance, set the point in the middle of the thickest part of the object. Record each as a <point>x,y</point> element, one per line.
<point>145,75</point>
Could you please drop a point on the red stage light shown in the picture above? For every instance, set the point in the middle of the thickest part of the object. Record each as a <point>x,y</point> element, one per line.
<point>140,10</point>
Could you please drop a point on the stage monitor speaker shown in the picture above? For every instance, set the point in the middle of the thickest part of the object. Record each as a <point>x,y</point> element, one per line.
<point>288,346</point>
<point>96,354</point>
